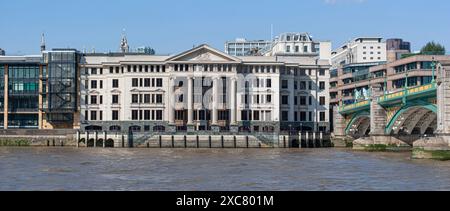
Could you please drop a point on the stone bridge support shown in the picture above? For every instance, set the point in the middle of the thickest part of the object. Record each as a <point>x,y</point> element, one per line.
<point>438,147</point>
<point>339,139</point>
<point>378,140</point>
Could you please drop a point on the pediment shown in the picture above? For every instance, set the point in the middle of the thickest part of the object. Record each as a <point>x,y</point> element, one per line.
<point>203,53</point>
<point>116,91</point>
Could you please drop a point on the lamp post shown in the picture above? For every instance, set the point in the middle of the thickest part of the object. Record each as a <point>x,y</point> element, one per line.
<point>433,66</point>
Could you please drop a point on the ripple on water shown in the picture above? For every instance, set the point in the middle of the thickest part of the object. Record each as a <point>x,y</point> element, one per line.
<point>217,169</point>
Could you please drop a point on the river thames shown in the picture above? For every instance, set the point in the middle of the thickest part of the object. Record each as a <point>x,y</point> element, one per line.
<point>71,169</point>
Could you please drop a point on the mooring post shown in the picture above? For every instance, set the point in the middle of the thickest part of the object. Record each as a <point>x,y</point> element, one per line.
<point>78,138</point>
<point>321,139</point>
<point>246,140</point>
<point>221,139</point>
<point>235,141</point>
<point>314,140</point>
<point>53,143</point>
<point>86,140</point>
<point>173,141</point>
<point>185,141</point>
<point>209,140</point>
<point>284,141</point>
<point>123,141</point>
<point>95,138</point>
<point>160,141</point>
<point>198,141</point>
<point>105,137</point>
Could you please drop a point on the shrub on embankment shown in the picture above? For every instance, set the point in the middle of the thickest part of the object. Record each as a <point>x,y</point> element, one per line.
<point>14,143</point>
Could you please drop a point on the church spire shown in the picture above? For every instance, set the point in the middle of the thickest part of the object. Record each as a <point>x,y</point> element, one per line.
<point>124,47</point>
<point>42,42</point>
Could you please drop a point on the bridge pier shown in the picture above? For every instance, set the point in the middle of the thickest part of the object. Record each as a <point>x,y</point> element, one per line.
<point>438,147</point>
<point>339,139</point>
<point>378,140</point>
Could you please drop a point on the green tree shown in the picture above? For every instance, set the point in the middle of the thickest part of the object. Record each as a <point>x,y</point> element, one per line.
<point>433,48</point>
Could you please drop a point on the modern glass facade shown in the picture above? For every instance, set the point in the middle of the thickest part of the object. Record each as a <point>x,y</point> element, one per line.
<point>60,92</point>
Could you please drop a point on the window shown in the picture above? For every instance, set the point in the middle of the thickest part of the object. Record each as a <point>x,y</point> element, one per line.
<point>297,48</point>
<point>256,115</point>
<point>93,100</point>
<point>268,98</point>
<point>159,115</point>
<point>322,72</point>
<point>302,100</point>
<point>322,116</point>
<point>135,82</point>
<point>134,98</point>
<point>134,115</point>
<point>269,83</point>
<point>284,116</point>
<point>115,83</point>
<point>101,99</point>
<point>147,115</point>
<point>115,115</point>
<point>94,84</point>
<point>322,85</point>
<point>94,71</point>
<point>147,98</point>
<point>101,84</point>
<point>101,115</point>
<point>285,100</point>
<point>111,70</point>
<point>159,99</point>
<point>115,99</point>
<point>288,49</point>
<point>159,82</point>
<point>147,82</point>
<point>303,116</point>
<point>284,84</point>
<point>94,115</point>
<point>322,100</point>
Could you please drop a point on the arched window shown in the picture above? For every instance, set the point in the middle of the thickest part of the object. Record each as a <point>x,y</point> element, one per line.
<point>115,128</point>
<point>159,128</point>
<point>135,128</point>
<point>93,128</point>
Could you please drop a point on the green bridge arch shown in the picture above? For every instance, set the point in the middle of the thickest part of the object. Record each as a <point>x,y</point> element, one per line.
<point>407,107</point>
<point>356,117</point>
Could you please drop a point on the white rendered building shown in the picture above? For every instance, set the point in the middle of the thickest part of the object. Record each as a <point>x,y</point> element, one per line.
<point>360,50</point>
<point>203,89</point>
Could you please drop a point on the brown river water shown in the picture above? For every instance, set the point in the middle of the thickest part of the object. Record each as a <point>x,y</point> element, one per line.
<point>216,170</point>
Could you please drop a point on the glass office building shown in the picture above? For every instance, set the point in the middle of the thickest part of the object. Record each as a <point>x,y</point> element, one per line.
<point>39,92</point>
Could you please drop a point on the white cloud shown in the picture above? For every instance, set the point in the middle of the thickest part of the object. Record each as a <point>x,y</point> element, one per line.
<point>344,1</point>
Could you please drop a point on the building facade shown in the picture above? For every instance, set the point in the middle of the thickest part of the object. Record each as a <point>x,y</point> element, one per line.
<point>298,44</point>
<point>2,52</point>
<point>360,50</point>
<point>203,89</point>
<point>40,92</point>
<point>243,47</point>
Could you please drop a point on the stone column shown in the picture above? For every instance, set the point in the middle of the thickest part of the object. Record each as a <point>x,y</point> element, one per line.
<point>5,102</point>
<point>190,105</point>
<point>171,105</point>
<point>233,107</point>
<point>215,102</point>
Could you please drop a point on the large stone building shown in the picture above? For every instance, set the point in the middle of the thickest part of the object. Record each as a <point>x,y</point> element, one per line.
<point>204,89</point>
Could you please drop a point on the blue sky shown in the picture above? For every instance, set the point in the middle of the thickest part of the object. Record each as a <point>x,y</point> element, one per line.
<point>171,26</point>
